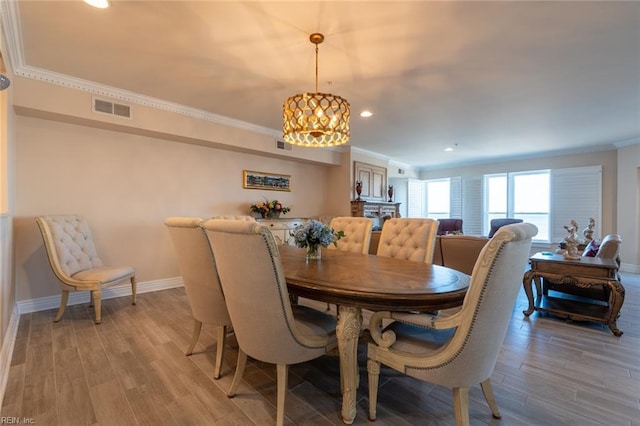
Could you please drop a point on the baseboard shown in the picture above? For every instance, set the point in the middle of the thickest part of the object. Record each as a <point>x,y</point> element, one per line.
<point>75,298</point>
<point>7,350</point>
<point>630,267</point>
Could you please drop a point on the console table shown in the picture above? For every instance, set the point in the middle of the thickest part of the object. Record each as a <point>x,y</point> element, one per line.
<point>282,228</point>
<point>585,272</point>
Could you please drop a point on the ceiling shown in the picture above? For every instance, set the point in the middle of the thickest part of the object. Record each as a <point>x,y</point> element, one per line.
<point>507,79</point>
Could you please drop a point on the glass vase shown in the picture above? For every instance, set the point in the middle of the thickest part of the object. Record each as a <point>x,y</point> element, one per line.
<point>314,253</point>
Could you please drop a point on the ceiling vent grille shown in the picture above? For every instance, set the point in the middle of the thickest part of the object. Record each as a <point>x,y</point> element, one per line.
<point>107,107</point>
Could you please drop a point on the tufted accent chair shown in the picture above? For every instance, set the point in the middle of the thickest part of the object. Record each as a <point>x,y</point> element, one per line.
<point>460,350</point>
<point>75,262</point>
<point>357,233</point>
<point>201,283</point>
<point>408,239</point>
<point>268,328</point>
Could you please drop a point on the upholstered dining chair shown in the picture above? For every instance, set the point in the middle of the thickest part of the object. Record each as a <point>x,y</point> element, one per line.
<point>357,233</point>
<point>268,328</point>
<point>460,350</point>
<point>200,276</point>
<point>74,260</point>
<point>409,239</point>
<point>496,224</point>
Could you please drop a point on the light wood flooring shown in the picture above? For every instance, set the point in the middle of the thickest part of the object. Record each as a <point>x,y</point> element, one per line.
<point>131,370</point>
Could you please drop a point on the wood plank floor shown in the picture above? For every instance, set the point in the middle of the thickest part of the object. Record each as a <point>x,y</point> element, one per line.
<point>131,370</point>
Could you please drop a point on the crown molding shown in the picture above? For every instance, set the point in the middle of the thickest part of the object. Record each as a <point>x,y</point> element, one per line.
<point>9,14</point>
<point>627,142</point>
<point>136,98</point>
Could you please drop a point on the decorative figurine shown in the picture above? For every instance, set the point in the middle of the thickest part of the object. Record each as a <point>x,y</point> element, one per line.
<point>390,192</point>
<point>571,241</point>
<point>588,231</point>
<point>358,189</point>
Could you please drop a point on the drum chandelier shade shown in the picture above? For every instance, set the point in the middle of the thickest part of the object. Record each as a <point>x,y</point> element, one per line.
<point>316,119</point>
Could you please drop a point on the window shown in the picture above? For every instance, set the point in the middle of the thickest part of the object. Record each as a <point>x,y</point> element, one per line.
<point>523,195</point>
<point>438,198</point>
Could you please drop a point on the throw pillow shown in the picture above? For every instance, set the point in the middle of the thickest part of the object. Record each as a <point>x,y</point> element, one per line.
<point>591,249</point>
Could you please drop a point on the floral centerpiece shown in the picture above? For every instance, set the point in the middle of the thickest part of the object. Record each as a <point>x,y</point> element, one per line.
<point>314,234</point>
<point>271,209</point>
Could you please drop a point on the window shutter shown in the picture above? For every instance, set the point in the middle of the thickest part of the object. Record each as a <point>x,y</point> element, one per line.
<point>416,199</point>
<point>576,194</point>
<point>455,205</point>
<point>472,206</point>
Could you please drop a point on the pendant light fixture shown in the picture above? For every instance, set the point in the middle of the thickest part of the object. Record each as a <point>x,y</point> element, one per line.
<point>316,119</point>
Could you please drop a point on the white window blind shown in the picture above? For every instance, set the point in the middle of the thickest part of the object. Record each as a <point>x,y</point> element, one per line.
<point>472,206</point>
<point>455,206</point>
<point>576,194</point>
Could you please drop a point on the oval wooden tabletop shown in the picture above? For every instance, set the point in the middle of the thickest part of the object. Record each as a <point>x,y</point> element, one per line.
<point>373,282</point>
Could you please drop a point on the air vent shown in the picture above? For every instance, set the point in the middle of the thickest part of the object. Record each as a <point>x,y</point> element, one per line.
<point>280,144</point>
<point>107,107</point>
<point>400,171</point>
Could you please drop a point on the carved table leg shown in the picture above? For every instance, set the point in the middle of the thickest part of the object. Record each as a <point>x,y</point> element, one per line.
<point>347,332</point>
<point>526,283</point>
<point>616,298</point>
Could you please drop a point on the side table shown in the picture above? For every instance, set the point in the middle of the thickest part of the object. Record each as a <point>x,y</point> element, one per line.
<point>585,272</point>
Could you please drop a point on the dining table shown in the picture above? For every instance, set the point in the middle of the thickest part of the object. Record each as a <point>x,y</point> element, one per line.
<point>355,281</point>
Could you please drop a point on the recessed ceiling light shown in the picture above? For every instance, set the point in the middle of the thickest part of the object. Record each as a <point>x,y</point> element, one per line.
<point>448,149</point>
<point>366,114</point>
<point>100,4</point>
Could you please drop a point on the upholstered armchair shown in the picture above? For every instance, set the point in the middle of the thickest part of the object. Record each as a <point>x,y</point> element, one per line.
<point>449,226</point>
<point>460,350</point>
<point>74,260</point>
<point>268,328</point>
<point>357,233</point>
<point>408,239</point>
<point>200,276</point>
<point>610,247</point>
<point>498,223</point>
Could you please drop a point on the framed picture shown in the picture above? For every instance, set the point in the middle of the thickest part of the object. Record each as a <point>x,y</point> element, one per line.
<point>261,180</point>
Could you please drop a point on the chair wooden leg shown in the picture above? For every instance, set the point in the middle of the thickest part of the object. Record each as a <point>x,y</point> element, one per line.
<point>491,401</point>
<point>133,290</point>
<point>97,303</point>
<point>197,326</point>
<point>91,298</point>
<point>282,375</point>
<point>221,336</point>
<point>461,406</point>
<point>63,305</point>
<point>242,363</point>
<point>373,367</point>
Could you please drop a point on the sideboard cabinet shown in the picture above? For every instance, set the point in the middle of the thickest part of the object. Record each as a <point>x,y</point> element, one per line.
<point>282,228</point>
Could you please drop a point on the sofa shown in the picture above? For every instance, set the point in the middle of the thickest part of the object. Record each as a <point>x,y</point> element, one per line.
<point>449,226</point>
<point>458,252</point>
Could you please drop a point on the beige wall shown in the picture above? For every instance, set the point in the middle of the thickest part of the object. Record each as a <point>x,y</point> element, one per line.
<point>126,185</point>
<point>628,180</point>
<point>7,289</point>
